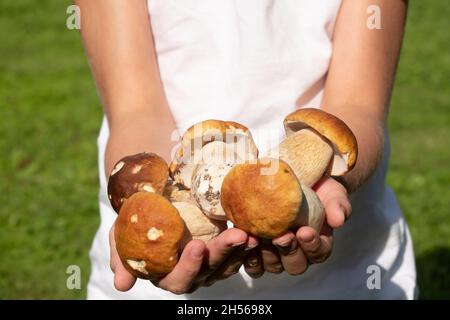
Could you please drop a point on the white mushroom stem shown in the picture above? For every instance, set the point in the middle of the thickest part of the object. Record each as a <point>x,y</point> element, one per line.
<point>174,193</point>
<point>307,153</point>
<point>312,212</point>
<point>206,185</point>
<point>198,226</point>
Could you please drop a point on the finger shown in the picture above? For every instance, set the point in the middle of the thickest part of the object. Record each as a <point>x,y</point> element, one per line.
<point>252,242</point>
<point>283,240</point>
<point>335,200</point>
<point>317,248</point>
<point>230,267</point>
<point>253,264</point>
<point>292,257</point>
<point>181,278</point>
<point>270,258</point>
<point>123,280</point>
<point>219,248</point>
<point>236,259</point>
<point>337,211</point>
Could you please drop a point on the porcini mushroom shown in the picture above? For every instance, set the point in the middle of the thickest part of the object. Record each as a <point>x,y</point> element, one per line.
<point>198,226</point>
<point>177,193</point>
<point>148,233</point>
<point>206,184</point>
<point>211,141</point>
<point>266,199</point>
<point>317,142</point>
<point>139,172</point>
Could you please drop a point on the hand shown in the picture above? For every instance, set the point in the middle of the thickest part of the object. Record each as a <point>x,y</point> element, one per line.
<point>199,264</point>
<point>294,252</point>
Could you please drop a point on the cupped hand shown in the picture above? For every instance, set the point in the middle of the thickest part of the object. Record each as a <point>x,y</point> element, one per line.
<point>294,251</point>
<point>199,264</point>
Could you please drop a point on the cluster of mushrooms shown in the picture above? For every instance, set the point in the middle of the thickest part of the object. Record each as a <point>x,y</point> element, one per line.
<point>217,175</point>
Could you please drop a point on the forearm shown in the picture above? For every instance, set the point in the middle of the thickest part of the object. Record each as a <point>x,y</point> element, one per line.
<point>118,42</point>
<point>139,133</point>
<point>370,138</point>
<point>361,75</point>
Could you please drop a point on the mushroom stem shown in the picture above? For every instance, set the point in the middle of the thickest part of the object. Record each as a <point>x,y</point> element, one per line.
<point>308,154</point>
<point>311,212</point>
<point>198,226</point>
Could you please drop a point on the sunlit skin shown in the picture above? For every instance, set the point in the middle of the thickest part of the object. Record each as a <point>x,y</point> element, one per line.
<point>357,90</point>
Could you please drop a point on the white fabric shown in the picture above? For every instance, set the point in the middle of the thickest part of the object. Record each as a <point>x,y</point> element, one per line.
<point>253,62</point>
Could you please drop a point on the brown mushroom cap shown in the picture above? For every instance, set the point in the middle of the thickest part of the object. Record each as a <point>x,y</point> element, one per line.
<point>333,129</point>
<point>262,198</point>
<point>140,172</point>
<point>148,232</point>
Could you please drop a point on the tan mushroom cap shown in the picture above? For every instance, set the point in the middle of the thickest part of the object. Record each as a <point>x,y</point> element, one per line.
<point>217,130</point>
<point>140,172</point>
<point>262,198</point>
<point>207,131</point>
<point>148,233</point>
<point>333,129</point>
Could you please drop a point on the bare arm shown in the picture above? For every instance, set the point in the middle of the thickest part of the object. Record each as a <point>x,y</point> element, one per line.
<point>361,75</point>
<point>118,41</point>
<point>357,90</point>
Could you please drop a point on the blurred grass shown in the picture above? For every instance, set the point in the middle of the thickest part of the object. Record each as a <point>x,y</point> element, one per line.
<point>420,132</point>
<point>50,116</point>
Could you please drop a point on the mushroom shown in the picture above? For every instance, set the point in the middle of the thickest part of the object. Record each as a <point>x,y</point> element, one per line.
<point>150,232</point>
<point>317,142</point>
<point>177,193</point>
<point>206,184</point>
<point>312,211</point>
<point>198,226</point>
<point>268,204</point>
<point>139,172</point>
<point>211,141</point>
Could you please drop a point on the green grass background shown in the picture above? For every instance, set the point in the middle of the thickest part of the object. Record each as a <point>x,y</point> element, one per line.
<point>50,116</point>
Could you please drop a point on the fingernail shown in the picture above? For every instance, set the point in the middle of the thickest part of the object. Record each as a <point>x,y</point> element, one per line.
<point>250,246</point>
<point>285,244</point>
<point>342,210</point>
<point>238,244</point>
<point>252,262</point>
<point>196,252</point>
<point>309,237</point>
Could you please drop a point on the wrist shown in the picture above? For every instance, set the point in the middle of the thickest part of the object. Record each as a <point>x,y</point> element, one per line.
<point>138,135</point>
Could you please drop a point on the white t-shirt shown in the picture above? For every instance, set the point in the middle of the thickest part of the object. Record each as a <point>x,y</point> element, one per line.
<point>253,62</point>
